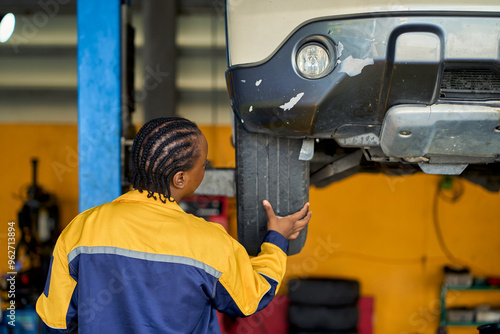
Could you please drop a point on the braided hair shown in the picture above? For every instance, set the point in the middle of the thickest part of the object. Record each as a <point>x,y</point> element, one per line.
<point>163,147</point>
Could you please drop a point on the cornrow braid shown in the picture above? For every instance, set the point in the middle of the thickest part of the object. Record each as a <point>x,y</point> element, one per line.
<point>162,147</point>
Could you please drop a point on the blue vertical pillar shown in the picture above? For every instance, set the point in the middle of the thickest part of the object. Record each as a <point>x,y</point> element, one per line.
<point>99,112</point>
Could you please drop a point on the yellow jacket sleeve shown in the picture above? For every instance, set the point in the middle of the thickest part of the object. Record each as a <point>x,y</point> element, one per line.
<point>249,284</point>
<point>56,306</point>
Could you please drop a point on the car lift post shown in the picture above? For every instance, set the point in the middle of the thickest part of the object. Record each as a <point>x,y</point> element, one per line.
<point>99,96</point>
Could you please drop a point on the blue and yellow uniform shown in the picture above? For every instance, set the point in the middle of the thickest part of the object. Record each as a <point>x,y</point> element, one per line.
<point>137,265</point>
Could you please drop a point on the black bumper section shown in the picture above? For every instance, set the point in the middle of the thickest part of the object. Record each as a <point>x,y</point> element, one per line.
<point>270,97</point>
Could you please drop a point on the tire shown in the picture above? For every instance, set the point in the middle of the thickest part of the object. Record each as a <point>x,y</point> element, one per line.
<point>326,292</point>
<point>268,168</point>
<point>321,319</point>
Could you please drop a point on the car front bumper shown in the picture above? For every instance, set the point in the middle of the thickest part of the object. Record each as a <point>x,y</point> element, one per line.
<point>382,61</point>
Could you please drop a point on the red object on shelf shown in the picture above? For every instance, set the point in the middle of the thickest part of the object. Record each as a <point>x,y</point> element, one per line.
<point>493,281</point>
<point>211,208</point>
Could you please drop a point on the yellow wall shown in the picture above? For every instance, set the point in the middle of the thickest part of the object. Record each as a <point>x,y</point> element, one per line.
<point>56,149</point>
<point>379,230</point>
<point>373,228</point>
<point>55,146</point>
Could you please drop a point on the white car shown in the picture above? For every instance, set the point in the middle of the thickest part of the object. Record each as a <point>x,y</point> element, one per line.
<point>324,89</point>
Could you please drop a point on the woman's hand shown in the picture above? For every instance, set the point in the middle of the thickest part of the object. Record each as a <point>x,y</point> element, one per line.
<point>288,226</point>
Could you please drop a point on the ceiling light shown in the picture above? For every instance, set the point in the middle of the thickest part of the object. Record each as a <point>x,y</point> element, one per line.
<point>7,24</point>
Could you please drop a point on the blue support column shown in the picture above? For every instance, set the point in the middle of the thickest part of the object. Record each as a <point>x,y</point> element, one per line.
<point>99,96</point>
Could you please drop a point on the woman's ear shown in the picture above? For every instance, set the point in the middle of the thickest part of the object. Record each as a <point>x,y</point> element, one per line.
<point>179,180</point>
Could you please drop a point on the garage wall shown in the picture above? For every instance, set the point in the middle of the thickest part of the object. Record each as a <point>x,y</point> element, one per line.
<point>380,230</point>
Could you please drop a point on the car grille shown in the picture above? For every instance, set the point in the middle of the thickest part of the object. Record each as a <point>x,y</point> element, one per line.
<point>470,83</point>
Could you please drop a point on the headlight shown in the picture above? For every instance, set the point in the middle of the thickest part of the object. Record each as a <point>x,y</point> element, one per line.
<point>313,61</point>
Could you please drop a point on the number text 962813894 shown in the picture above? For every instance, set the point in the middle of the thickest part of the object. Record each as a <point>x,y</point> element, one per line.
<point>11,275</point>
